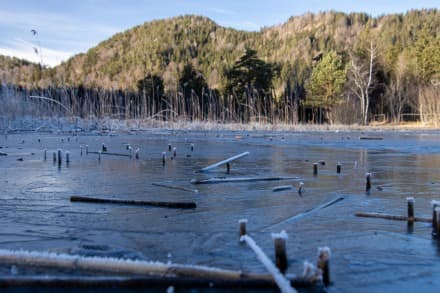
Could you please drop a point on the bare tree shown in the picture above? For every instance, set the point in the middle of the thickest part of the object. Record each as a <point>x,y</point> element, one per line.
<point>361,75</point>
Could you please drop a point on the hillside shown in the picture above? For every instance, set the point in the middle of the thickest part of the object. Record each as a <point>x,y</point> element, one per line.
<point>168,49</point>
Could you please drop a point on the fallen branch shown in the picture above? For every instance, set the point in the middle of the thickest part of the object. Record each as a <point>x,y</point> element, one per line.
<point>210,167</point>
<point>371,137</point>
<point>238,179</point>
<point>110,154</point>
<point>148,273</point>
<point>175,187</point>
<point>3,154</point>
<point>179,205</point>
<point>282,187</point>
<point>306,213</point>
<point>391,217</point>
<point>282,282</point>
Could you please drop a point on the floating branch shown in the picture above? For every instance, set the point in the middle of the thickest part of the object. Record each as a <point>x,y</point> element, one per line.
<point>391,217</point>
<point>371,137</point>
<point>236,157</point>
<point>282,282</point>
<point>179,205</point>
<point>175,187</point>
<point>150,273</point>
<point>282,187</point>
<point>306,213</point>
<point>109,154</point>
<point>239,179</point>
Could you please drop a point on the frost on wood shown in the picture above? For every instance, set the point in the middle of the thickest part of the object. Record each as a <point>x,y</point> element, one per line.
<point>281,281</point>
<point>281,235</point>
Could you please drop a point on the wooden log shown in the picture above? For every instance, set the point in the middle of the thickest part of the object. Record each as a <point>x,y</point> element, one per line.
<point>175,187</point>
<point>3,154</point>
<point>177,205</point>
<point>283,284</point>
<point>228,160</point>
<point>282,187</point>
<point>371,137</point>
<point>110,154</point>
<point>150,282</point>
<point>306,213</point>
<point>279,242</point>
<point>216,180</point>
<point>391,217</point>
<point>146,272</point>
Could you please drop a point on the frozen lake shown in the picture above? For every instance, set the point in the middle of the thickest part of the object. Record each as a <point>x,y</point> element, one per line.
<point>368,255</point>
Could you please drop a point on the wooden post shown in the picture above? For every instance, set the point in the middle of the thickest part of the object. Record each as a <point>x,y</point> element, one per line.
<point>435,204</point>
<point>338,168</point>
<point>315,168</point>
<point>104,148</point>
<point>45,155</point>
<point>192,147</point>
<point>169,147</point>
<point>87,149</point>
<point>81,148</point>
<point>228,168</point>
<point>67,157</point>
<point>174,152</point>
<point>410,201</point>
<point>242,224</point>
<point>324,264</point>
<point>279,241</point>
<point>99,156</point>
<point>437,226</point>
<point>54,157</point>
<point>164,156</point>
<point>60,159</point>
<point>136,154</point>
<point>301,184</point>
<point>368,182</point>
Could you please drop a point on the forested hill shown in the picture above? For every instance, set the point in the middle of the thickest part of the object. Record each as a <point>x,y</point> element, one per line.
<point>172,49</point>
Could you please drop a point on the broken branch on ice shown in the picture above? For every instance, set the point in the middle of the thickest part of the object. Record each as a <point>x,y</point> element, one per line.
<point>177,205</point>
<point>175,187</point>
<point>238,179</point>
<point>226,161</point>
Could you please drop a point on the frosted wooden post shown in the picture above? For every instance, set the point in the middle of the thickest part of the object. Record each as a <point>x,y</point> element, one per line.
<point>242,224</point>
<point>174,152</point>
<point>437,225</point>
<point>60,159</point>
<point>301,184</point>
<point>130,151</point>
<point>338,168</point>
<point>136,154</point>
<point>315,168</point>
<point>164,156</point>
<point>410,201</point>
<point>324,264</point>
<point>279,242</point>
<point>367,181</point>
<point>435,204</point>
<point>192,147</point>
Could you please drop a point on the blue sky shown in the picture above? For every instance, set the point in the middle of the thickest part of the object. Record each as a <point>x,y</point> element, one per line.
<point>68,27</point>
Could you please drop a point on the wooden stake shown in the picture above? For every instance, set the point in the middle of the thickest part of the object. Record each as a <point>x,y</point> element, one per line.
<point>164,156</point>
<point>67,157</point>
<point>87,149</point>
<point>54,157</point>
<point>45,155</point>
<point>368,182</point>
<point>228,168</point>
<point>324,264</point>
<point>99,156</point>
<point>315,168</point>
<point>279,241</point>
<point>410,201</point>
<point>104,148</point>
<point>192,147</point>
<point>169,147</point>
<point>300,188</point>
<point>174,152</point>
<point>338,168</point>
<point>136,154</point>
<point>81,148</point>
<point>437,226</point>
<point>60,159</point>
<point>435,204</point>
<point>242,224</point>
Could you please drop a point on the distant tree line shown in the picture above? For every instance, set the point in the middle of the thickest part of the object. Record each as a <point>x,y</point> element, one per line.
<point>318,68</point>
